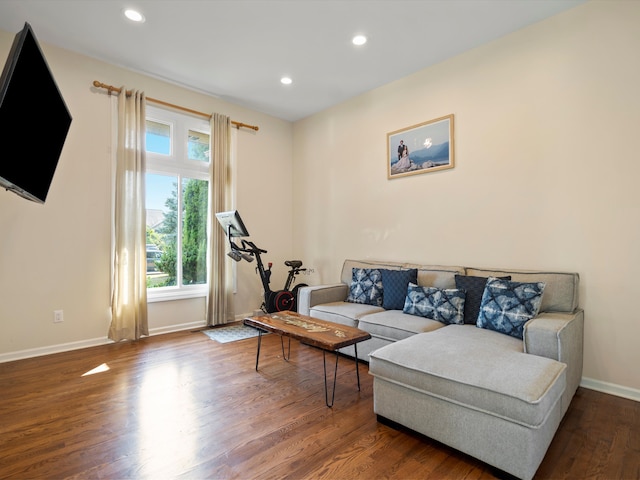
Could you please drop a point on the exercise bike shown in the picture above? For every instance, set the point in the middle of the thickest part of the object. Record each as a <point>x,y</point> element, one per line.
<point>274,301</point>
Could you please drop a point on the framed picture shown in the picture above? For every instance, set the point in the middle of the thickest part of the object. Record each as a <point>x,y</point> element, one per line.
<point>423,148</point>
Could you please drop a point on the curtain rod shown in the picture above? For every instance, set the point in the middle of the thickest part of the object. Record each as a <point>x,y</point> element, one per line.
<point>113,89</point>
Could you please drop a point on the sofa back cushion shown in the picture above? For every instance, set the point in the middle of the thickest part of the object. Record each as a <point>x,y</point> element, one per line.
<point>560,293</point>
<point>428,275</point>
<point>561,288</point>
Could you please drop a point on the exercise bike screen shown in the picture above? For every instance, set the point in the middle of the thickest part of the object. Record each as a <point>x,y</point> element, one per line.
<point>232,224</point>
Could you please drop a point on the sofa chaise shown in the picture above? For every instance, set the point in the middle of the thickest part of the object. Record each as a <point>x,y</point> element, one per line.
<point>448,365</point>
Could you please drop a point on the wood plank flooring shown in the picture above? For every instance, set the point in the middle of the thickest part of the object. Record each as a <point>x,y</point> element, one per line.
<point>183,406</point>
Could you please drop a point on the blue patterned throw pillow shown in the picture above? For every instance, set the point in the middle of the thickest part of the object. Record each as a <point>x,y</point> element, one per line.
<point>474,289</point>
<point>444,305</point>
<point>507,306</point>
<point>366,286</point>
<point>394,287</point>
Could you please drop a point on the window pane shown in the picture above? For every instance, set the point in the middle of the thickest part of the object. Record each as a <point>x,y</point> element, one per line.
<point>198,146</point>
<point>162,227</point>
<point>158,137</point>
<point>194,231</point>
<point>178,163</point>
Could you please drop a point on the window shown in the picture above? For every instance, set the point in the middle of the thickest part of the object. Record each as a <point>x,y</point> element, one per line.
<point>177,194</point>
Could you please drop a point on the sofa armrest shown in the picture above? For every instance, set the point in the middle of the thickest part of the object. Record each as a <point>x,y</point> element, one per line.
<point>558,336</point>
<point>316,295</point>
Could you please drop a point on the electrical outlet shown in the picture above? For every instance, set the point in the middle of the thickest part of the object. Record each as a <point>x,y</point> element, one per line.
<point>57,316</point>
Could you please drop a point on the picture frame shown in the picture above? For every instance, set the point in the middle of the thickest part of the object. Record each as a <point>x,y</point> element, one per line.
<point>429,145</point>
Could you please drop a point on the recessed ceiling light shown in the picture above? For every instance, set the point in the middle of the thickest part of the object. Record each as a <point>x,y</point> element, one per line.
<point>134,15</point>
<point>359,40</point>
<point>286,81</point>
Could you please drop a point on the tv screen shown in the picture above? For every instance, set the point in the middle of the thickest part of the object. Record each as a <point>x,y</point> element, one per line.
<point>34,120</point>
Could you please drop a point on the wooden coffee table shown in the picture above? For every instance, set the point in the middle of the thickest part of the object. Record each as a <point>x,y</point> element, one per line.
<point>328,336</point>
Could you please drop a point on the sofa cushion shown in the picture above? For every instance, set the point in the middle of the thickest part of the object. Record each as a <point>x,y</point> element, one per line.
<point>344,313</point>
<point>474,288</point>
<point>478,369</point>
<point>440,276</point>
<point>506,306</point>
<point>366,286</point>
<point>561,291</point>
<point>394,287</point>
<point>445,305</point>
<point>394,325</point>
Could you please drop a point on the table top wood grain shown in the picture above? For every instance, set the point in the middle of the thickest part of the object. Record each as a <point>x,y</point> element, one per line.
<point>311,331</point>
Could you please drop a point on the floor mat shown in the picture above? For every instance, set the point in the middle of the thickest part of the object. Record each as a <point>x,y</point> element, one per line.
<point>231,333</point>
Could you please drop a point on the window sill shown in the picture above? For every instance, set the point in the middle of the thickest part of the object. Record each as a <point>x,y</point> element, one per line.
<point>169,294</point>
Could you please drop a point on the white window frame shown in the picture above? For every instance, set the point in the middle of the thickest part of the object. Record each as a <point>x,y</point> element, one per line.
<point>178,164</point>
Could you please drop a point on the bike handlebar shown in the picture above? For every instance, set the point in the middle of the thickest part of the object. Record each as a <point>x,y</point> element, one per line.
<point>251,247</point>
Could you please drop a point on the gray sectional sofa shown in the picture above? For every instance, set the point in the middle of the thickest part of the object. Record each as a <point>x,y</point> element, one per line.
<point>496,396</point>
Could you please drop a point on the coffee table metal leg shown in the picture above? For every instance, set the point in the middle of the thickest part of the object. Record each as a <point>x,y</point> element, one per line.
<point>288,356</point>
<point>259,342</point>
<point>355,346</point>
<point>335,376</point>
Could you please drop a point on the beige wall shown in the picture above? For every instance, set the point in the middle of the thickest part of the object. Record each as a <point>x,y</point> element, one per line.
<point>546,174</point>
<point>56,255</point>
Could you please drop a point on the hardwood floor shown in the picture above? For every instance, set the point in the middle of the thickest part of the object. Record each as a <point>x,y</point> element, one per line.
<point>183,406</point>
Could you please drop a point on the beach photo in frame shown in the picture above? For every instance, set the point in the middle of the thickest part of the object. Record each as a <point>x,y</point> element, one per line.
<point>422,148</point>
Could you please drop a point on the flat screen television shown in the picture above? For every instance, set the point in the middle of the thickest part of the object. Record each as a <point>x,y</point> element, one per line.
<point>232,224</point>
<point>34,120</point>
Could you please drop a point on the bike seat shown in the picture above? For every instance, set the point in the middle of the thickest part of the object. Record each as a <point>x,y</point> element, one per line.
<point>293,263</point>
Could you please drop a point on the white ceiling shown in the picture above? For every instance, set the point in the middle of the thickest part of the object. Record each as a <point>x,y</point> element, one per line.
<point>237,50</point>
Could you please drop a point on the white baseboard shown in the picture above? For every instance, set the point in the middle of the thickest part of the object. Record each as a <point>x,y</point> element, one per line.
<point>62,347</point>
<point>93,342</point>
<point>611,388</point>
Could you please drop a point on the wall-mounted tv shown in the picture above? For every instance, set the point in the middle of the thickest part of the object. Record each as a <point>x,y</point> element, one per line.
<point>34,120</point>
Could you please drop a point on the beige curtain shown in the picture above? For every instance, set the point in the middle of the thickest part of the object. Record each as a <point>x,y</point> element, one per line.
<point>220,298</point>
<point>129,282</point>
